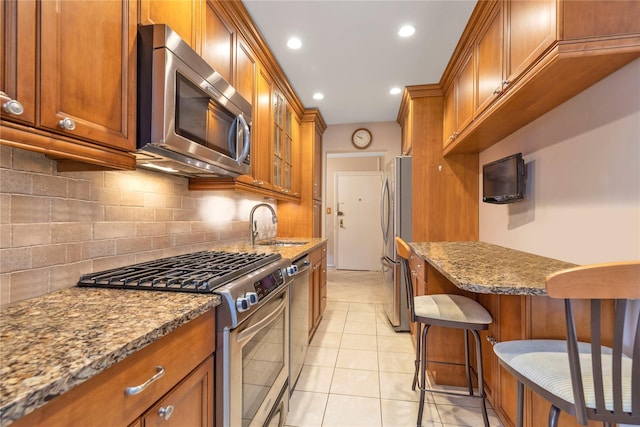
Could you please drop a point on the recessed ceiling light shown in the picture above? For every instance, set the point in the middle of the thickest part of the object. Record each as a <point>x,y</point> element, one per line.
<point>395,90</point>
<point>318,96</point>
<point>406,31</point>
<point>294,43</point>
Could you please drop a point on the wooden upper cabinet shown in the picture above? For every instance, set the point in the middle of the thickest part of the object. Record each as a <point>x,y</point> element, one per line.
<point>261,142</point>
<point>218,43</point>
<point>459,100</point>
<point>531,30</point>
<point>182,16</point>
<point>18,56</point>
<point>489,51</point>
<point>245,70</point>
<point>87,70</point>
<point>587,18</point>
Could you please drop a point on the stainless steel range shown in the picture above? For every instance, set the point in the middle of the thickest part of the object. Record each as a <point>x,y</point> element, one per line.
<point>252,324</point>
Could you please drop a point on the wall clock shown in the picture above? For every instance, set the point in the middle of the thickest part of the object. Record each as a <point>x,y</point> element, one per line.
<point>361,138</point>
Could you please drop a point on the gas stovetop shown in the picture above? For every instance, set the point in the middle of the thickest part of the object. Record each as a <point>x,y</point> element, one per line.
<point>199,272</point>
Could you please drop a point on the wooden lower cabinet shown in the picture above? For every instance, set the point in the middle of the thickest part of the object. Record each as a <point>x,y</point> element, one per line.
<point>189,404</point>
<point>187,357</point>
<point>317,287</point>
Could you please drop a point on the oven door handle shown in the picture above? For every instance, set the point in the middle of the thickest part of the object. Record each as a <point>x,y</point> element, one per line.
<point>272,317</point>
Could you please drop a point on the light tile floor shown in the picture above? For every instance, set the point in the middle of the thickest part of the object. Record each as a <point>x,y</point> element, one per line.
<point>358,370</point>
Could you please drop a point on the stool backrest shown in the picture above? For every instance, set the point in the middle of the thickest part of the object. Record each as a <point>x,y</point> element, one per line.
<point>404,251</point>
<point>619,282</point>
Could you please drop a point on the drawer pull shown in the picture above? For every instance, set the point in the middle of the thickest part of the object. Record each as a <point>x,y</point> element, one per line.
<point>492,339</point>
<point>165,413</point>
<point>132,391</point>
<point>67,124</point>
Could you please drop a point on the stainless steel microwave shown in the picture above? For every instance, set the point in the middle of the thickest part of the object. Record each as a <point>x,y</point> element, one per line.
<point>190,120</point>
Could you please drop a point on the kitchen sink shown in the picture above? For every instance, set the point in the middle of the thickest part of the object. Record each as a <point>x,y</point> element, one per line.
<point>281,243</point>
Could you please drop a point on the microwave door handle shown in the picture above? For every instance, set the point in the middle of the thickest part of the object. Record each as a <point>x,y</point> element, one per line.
<point>246,138</point>
<point>232,138</point>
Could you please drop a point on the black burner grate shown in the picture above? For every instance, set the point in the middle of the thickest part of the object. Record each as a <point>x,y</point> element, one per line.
<point>199,272</point>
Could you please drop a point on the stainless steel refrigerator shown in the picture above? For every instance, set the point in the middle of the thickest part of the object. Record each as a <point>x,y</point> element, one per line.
<point>395,220</point>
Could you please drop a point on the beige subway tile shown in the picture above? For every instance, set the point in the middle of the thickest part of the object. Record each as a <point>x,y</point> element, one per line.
<point>174,202</point>
<point>143,214</point>
<point>31,161</point>
<point>5,236</point>
<point>162,242</point>
<point>65,232</point>
<point>66,276</point>
<point>5,208</point>
<point>30,209</point>
<point>30,234</point>
<point>66,210</point>
<point>164,214</point>
<point>118,213</point>
<point>148,256</point>
<point>29,284</point>
<point>79,189</point>
<point>6,156</point>
<point>105,196</point>
<point>47,185</point>
<point>212,236</point>
<point>132,245</point>
<point>100,264</point>
<point>74,252</point>
<point>188,239</point>
<point>113,230</point>
<point>185,215</point>
<point>15,259</point>
<point>154,200</point>
<point>233,234</point>
<point>189,203</point>
<point>98,249</point>
<point>178,227</point>
<point>5,288</point>
<point>200,226</point>
<point>131,198</point>
<point>150,229</point>
<point>48,255</point>
<point>16,182</point>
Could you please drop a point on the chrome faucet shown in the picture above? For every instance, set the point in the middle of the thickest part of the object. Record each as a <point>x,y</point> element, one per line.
<point>253,225</point>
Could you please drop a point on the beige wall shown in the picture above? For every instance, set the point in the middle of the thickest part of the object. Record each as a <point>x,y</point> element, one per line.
<point>583,186</point>
<point>56,226</point>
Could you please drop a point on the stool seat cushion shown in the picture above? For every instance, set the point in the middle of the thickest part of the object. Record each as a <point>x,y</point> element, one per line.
<point>453,311</point>
<point>545,363</point>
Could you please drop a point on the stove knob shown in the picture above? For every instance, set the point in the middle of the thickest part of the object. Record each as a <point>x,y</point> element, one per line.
<point>242,304</point>
<point>292,270</point>
<point>252,297</point>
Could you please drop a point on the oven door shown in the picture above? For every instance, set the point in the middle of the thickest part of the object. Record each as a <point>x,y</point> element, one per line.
<point>256,366</point>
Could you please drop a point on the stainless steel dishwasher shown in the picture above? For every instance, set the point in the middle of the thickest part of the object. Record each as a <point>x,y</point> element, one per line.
<point>299,318</point>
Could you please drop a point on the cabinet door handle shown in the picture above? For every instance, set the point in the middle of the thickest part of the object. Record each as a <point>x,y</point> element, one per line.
<point>67,124</point>
<point>165,413</point>
<point>132,391</point>
<point>491,339</point>
<point>11,106</point>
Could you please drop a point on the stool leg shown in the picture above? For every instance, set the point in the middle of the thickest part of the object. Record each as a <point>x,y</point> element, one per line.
<point>467,365</point>
<point>423,374</point>
<point>485,417</point>
<point>554,416</point>
<point>520,405</point>
<point>417,361</point>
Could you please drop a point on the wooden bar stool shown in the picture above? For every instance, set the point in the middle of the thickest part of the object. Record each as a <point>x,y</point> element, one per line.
<point>588,380</point>
<point>449,311</point>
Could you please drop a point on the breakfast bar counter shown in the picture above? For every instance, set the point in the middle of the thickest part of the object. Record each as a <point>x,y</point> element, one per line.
<point>489,269</point>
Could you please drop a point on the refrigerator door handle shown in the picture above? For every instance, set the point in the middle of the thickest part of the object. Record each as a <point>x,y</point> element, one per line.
<point>385,202</point>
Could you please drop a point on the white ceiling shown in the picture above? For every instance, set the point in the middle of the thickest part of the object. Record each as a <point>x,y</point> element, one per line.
<point>352,53</point>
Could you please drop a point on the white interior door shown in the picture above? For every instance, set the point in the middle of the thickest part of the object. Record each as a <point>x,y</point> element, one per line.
<point>359,240</point>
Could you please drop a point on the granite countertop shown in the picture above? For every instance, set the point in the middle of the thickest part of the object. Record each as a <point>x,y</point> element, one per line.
<point>489,269</point>
<point>52,343</point>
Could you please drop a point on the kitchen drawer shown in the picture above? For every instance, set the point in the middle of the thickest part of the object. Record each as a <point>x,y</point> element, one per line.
<point>101,400</point>
<point>316,255</point>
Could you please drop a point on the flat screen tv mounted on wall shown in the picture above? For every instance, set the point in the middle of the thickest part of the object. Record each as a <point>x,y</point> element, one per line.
<point>503,180</point>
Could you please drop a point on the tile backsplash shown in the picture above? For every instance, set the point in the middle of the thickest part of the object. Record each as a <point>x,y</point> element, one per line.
<point>55,226</point>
